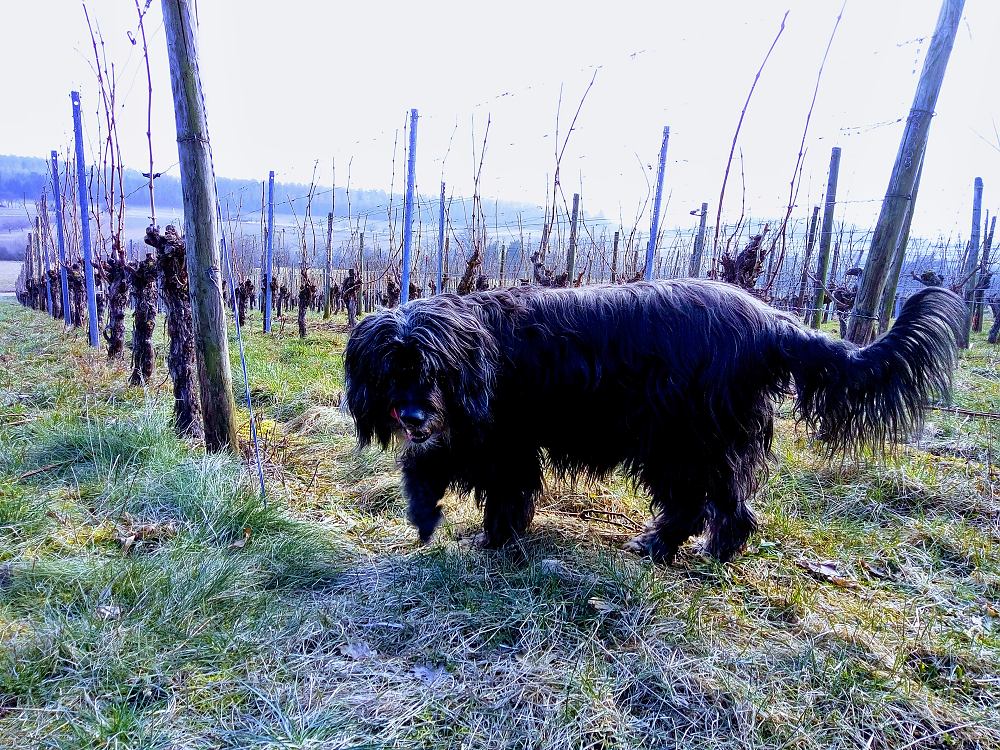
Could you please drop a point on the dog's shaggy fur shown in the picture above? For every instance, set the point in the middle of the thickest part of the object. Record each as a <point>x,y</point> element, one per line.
<point>676,382</point>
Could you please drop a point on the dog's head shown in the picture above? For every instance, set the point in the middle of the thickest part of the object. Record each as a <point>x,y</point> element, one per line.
<point>422,371</point>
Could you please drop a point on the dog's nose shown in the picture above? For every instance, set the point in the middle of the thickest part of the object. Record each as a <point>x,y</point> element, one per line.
<point>412,417</point>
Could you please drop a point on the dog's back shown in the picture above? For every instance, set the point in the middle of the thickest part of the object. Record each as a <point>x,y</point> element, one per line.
<point>606,371</point>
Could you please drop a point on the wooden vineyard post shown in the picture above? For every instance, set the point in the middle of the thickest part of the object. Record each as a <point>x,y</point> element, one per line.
<point>29,271</point>
<point>800,298</point>
<point>269,263</point>
<point>985,276</point>
<point>61,239</point>
<point>571,253</point>
<point>972,262</point>
<point>201,227</point>
<point>900,190</point>
<point>361,271</point>
<point>658,197</point>
<point>889,295</point>
<point>614,259</point>
<point>440,267</point>
<point>328,273</point>
<point>694,270</point>
<point>88,251</point>
<point>823,264</point>
<point>46,266</point>
<point>411,166</point>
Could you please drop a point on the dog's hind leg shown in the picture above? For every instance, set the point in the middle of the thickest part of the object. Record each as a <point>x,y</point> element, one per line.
<point>733,481</point>
<point>509,502</point>
<point>679,513</point>
<point>731,521</point>
<point>507,513</point>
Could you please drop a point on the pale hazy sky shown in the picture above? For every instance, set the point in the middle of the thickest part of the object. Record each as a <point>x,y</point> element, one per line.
<point>291,82</point>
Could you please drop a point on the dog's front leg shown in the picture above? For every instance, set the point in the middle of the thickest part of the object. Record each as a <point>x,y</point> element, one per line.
<point>424,482</point>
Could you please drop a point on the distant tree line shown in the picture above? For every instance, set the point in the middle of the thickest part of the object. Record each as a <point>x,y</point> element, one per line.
<point>26,177</point>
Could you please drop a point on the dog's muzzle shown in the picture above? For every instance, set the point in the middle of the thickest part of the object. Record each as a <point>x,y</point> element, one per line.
<point>413,422</point>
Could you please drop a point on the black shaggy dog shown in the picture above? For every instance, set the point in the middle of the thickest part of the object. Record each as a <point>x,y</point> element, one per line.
<point>676,381</point>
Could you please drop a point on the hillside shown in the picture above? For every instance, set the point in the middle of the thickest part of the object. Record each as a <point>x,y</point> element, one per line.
<point>25,178</point>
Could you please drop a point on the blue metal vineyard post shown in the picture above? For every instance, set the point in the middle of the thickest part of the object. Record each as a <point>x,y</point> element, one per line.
<point>440,275</point>
<point>62,241</point>
<point>654,229</point>
<point>270,252</point>
<point>411,165</point>
<point>88,257</point>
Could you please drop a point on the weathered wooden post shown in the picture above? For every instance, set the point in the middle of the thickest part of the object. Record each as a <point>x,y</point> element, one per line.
<point>269,262</point>
<point>899,192</point>
<point>800,298</point>
<point>61,239</point>
<point>972,260</point>
<point>411,166</point>
<point>201,227</point>
<point>29,272</point>
<point>571,253</point>
<point>823,264</point>
<point>890,304</point>
<point>654,227</point>
<point>694,269</point>
<point>614,259</point>
<point>329,265</point>
<point>440,268</point>
<point>88,251</point>
<point>985,276</point>
<point>45,262</point>
<point>35,243</point>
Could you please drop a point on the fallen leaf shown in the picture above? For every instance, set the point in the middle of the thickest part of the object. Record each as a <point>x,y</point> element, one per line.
<point>109,611</point>
<point>428,674</point>
<point>601,605</point>
<point>127,542</point>
<point>155,531</point>
<point>128,535</point>
<point>826,570</point>
<point>247,533</point>
<point>358,650</point>
<point>878,571</point>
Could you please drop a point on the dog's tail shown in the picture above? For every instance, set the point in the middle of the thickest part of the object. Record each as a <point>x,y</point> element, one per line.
<point>855,397</point>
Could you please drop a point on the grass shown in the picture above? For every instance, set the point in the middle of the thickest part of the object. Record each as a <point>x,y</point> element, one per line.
<point>150,599</point>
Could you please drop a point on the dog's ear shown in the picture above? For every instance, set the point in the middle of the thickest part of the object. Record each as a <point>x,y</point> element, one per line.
<point>366,363</point>
<point>463,353</point>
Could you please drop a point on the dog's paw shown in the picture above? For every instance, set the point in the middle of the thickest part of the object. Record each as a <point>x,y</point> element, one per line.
<point>425,524</point>
<point>482,540</point>
<point>485,540</point>
<point>650,545</point>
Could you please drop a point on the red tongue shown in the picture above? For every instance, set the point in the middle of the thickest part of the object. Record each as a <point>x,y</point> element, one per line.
<point>395,415</point>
